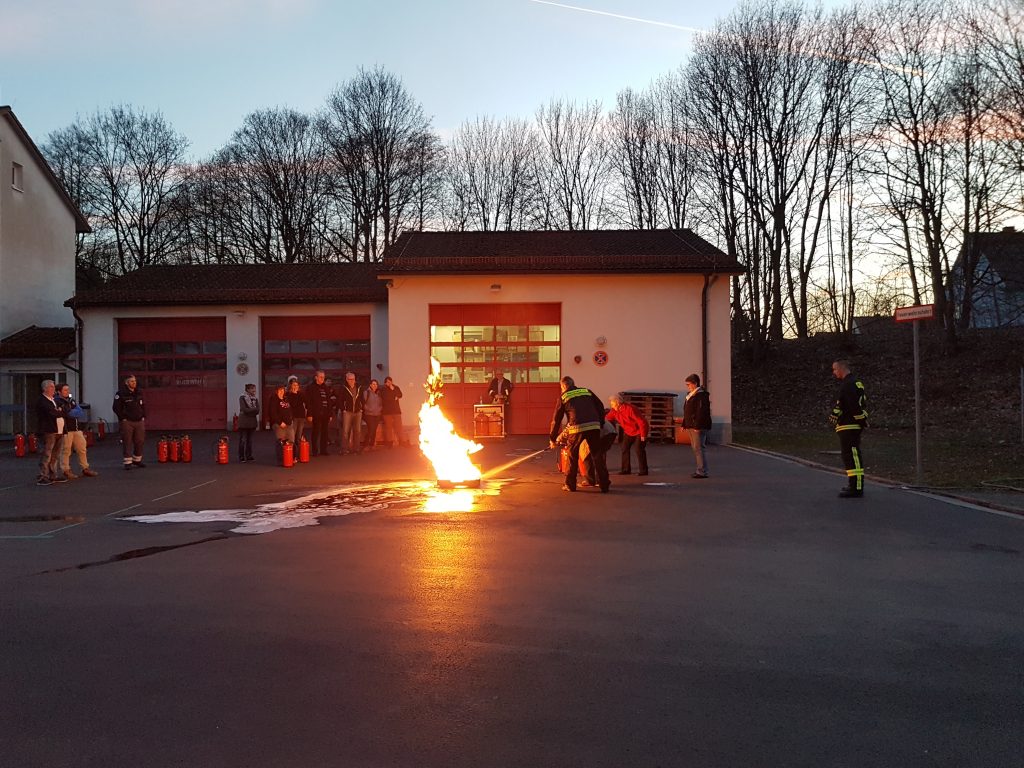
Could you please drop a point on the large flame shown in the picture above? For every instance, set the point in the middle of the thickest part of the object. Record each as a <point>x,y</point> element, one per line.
<point>447,451</point>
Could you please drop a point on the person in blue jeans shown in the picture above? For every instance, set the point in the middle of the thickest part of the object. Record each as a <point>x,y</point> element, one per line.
<point>697,422</point>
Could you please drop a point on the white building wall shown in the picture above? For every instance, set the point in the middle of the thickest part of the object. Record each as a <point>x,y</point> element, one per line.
<point>242,329</point>
<point>37,244</point>
<point>652,324</point>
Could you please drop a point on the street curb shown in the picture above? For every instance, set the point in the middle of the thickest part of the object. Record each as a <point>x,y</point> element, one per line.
<point>894,484</point>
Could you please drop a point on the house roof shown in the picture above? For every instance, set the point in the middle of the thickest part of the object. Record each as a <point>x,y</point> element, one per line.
<point>1005,253</point>
<point>537,252</point>
<point>81,225</point>
<point>190,284</point>
<point>36,343</point>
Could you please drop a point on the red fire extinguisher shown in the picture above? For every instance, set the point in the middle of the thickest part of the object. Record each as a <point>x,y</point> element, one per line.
<point>223,450</point>
<point>90,438</point>
<point>303,451</point>
<point>234,423</point>
<point>162,450</point>
<point>287,454</point>
<point>186,449</point>
<point>19,446</point>
<point>173,449</point>
<point>33,443</point>
<point>101,429</point>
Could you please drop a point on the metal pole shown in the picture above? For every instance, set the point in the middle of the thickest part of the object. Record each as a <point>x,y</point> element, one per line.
<point>917,406</point>
<point>1022,403</point>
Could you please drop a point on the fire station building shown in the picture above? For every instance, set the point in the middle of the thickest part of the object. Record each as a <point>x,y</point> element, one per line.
<point>617,310</point>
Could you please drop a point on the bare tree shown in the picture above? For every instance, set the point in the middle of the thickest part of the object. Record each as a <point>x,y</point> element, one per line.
<point>490,174</point>
<point>132,166</point>
<point>276,164</point>
<point>572,169</point>
<point>384,156</point>
<point>633,140</point>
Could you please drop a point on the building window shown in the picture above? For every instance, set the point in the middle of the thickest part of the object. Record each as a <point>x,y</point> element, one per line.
<point>470,354</point>
<point>17,176</point>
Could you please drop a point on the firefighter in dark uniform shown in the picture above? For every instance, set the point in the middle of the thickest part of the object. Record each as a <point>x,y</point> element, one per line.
<point>131,417</point>
<point>850,419</point>
<point>584,415</point>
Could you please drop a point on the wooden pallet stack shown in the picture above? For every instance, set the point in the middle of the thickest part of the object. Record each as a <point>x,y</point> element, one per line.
<point>657,408</point>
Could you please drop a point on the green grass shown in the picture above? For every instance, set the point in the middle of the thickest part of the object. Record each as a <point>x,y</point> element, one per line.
<point>950,458</point>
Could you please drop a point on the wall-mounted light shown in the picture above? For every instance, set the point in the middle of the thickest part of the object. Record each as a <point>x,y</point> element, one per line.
<point>380,366</point>
<point>578,359</point>
<point>389,283</point>
<point>239,313</point>
<point>495,287</point>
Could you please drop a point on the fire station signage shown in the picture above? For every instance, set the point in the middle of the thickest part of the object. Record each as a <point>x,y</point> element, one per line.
<point>917,312</point>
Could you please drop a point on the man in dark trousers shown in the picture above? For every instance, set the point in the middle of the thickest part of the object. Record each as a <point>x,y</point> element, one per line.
<point>131,416</point>
<point>319,404</point>
<point>50,426</point>
<point>499,392</point>
<point>584,415</point>
<point>850,418</point>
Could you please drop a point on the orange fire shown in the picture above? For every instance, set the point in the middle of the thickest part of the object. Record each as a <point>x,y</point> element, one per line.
<point>447,451</point>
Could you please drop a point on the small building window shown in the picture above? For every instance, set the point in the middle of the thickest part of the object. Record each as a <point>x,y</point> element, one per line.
<point>17,176</point>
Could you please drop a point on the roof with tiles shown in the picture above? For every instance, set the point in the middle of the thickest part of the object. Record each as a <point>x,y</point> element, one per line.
<point>1005,253</point>
<point>190,284</point>
<point>34,343</point>
<point>538,252</point>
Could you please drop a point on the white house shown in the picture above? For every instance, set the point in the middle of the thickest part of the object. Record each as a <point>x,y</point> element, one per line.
<point>38,223</point>
<point>195,335</point>
<point>996,281</point>
<point>625,310</point>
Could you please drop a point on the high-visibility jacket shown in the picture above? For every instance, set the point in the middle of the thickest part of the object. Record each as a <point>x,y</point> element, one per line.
<point>582,410</point>
<point>850,411</point>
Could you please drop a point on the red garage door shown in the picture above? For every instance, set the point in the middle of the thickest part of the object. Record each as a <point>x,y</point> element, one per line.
<point>181,365</point>
<point>301,346</point>
<point>472,341</point>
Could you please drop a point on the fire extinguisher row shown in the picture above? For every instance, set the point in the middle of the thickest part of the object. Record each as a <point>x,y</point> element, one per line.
<point>29,444</point>
<point>172,448</point>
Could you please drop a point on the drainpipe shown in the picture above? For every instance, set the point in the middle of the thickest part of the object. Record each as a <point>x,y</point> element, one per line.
<point>704,331</point>
<point>81,356</point>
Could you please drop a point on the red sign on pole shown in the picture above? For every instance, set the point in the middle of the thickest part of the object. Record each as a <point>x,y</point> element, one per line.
<point>916,312</point>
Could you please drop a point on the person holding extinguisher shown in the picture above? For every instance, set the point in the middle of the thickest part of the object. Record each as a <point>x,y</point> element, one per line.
<point>635,431</point>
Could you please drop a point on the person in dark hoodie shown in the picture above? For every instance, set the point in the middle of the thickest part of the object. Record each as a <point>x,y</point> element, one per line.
<point>697,422</point>
<point>131,416</point>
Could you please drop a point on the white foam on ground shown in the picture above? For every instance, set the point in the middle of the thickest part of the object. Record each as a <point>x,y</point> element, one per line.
<point>306,510</point>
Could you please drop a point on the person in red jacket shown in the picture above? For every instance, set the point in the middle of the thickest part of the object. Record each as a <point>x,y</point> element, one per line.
<point>635,432</point>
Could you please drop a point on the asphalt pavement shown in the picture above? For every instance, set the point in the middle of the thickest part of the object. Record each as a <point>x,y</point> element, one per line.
<point>347,613</point>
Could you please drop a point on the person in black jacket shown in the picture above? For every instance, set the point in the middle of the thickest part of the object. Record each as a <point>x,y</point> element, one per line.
<point>697,421</point>
<point>280,415</point>
<point>850,418</point>
<point>391,393</point>
<point>248,422</point>
<point>50,426</point>
<point>350,407</point>
<point>584,415</point>
<point>131,416</point>
<point>299,415</point>
<point>319,404</point>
